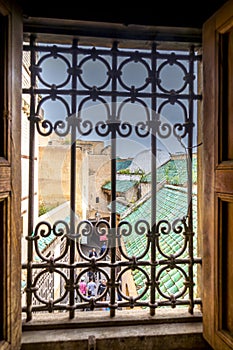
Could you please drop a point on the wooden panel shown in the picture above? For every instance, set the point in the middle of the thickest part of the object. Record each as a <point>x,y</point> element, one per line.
<point>230,98</point>
<point>224,273</point>
<point>14,255</point>
<point>224,180</point>
<point>10,174</point>
<point>2,265</point>
<point>207,171</point>
<point>5,178</point>
<point>217,200</point>
<point>226,255</point>
<point>226,100</point>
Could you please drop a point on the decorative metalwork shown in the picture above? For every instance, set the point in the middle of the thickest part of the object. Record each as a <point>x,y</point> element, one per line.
<point>114,92</point>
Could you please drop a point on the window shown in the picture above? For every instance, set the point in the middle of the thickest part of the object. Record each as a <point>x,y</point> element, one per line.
<point>111,134</point>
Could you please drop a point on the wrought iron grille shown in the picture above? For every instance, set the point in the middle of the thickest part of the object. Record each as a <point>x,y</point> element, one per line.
<point>140,268</point>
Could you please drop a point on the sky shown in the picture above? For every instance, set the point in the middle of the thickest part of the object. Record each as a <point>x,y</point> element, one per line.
<point>94,74</point>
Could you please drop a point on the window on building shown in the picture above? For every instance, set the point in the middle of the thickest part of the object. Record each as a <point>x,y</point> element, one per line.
<point>109,153</point>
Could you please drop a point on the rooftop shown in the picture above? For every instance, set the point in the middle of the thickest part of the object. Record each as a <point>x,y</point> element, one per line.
<point>171,205</point>
<point>122,186</point>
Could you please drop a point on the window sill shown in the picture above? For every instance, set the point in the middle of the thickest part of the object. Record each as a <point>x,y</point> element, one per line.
<point>174,330</point>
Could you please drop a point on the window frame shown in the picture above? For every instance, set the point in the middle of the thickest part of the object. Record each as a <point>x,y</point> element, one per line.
<point>135,36</point>
<point>11,250</point>
<point>10,183</point>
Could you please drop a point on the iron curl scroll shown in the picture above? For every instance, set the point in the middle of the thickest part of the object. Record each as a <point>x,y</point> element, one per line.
<point>44,229</point>
<point>177,226</point>
<point>126,232</point>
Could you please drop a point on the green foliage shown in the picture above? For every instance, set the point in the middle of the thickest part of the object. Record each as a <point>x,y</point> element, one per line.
<point>42,209</point>
<point>175,180</point>
<point>124,171</point>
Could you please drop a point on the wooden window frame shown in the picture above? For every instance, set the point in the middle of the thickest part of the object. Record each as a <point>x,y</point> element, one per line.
<point>11,274</point>
<point>136,36</point>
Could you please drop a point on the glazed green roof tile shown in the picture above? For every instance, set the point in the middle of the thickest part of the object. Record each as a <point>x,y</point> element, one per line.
<point>123,164</point>
<point>146,178</point>
<point>43,242</point>
<point>122,186</point>
<point>120,208</point>
<point>171,205</point>
<point>174,172</point>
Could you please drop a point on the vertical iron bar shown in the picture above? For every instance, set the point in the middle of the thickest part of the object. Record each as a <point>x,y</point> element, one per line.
<point>153,180</point>
<point>190,178</point>
<point>113,180</point>
<point>31,179</point>
<point>73,177</point>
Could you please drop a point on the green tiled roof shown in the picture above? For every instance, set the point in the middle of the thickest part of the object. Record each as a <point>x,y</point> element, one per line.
<point>171,205</point>
<point>122,186</point>
<point>123,164</point>
<point>175,171</point>
<point>44,242</point>
<point>120,208</point>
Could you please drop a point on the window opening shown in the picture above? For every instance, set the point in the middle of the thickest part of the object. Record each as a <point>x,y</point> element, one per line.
<point>109,151</point>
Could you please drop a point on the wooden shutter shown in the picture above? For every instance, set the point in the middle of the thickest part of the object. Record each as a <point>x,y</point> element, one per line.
<point>217,170</point>
<point>10,181</point>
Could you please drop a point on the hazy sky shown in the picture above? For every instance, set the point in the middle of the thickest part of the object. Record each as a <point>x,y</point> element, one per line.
<point>133,74</point>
